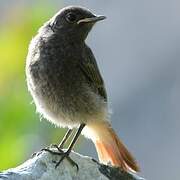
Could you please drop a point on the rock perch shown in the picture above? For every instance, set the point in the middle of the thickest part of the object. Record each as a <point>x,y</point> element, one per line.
<point>42,167</point>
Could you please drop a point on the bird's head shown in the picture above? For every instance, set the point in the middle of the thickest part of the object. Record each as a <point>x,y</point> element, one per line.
<point>73,21</point>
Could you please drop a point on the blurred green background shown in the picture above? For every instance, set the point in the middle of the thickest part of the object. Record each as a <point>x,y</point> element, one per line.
<point>20,128</point>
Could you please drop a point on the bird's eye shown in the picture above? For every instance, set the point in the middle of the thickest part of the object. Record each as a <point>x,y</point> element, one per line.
<point>71,17</point>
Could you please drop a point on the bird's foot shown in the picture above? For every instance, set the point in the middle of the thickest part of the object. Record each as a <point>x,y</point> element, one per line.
<point>39,152</point>
<point>62,154</point>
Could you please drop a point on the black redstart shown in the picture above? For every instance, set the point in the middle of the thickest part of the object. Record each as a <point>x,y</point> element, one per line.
<point>67,88</point>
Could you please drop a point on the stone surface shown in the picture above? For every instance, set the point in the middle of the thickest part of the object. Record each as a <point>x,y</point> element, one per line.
<point>42,167</point>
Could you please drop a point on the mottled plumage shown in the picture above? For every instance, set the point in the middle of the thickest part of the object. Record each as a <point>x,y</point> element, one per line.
<point>63,76</point>
<point>67,87</point>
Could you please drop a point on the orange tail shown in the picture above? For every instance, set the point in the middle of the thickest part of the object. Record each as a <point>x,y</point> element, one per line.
<point>110,148</point>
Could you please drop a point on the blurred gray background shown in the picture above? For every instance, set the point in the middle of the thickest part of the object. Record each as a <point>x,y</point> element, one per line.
<point>138,51</point>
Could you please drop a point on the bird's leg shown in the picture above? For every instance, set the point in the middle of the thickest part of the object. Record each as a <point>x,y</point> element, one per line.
<point>65,138</point>
<point>60,146</point>
<point>66,153</point>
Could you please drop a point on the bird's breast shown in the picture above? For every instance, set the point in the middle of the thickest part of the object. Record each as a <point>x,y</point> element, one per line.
<point>58,86</point>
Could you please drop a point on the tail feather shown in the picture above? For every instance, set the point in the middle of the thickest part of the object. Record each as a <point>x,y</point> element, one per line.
<point>110,148</point>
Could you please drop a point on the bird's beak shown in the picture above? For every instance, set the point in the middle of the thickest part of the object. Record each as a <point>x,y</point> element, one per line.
<point>91,19</point>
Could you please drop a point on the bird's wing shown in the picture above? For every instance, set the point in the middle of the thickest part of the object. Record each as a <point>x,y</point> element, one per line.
<point>91,71</point>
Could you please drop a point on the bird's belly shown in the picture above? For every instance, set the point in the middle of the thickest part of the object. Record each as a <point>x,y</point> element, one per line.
<point>66,104</point>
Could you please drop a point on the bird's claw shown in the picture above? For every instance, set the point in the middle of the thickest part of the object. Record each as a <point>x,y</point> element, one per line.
<point>61,153</point>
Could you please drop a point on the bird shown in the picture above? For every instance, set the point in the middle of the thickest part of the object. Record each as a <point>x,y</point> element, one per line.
<point>67,87</point>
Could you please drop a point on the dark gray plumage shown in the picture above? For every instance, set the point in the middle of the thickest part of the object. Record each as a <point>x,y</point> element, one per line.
<point>62,73</point>
<point>67,88</point>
